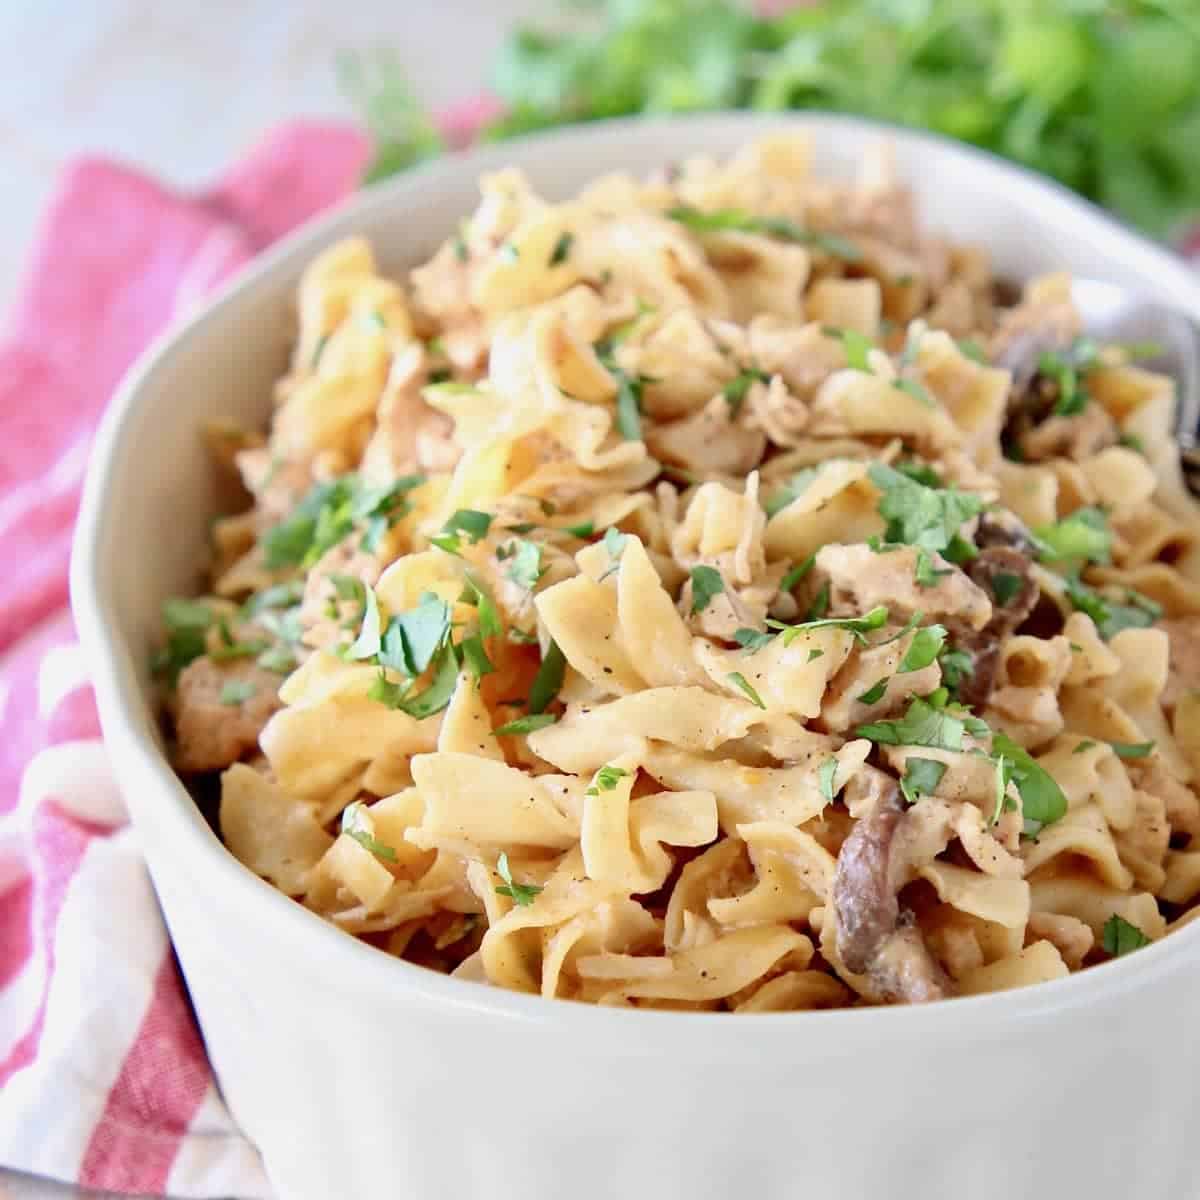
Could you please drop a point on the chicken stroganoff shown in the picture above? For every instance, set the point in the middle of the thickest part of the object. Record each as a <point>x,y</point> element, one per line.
<point>714,592</point>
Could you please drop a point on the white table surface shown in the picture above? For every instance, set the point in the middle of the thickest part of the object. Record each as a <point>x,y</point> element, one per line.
<point>182,89</point>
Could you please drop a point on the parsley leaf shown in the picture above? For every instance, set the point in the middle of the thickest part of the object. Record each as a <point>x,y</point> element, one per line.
<point>1065,369</point>
<point>1110,616</point>
<point>369,640</point>
<point>735,390</point>
<point>526,568</point>
<point>521,894</point>
<point>606,780</point>
<point>924,516</point>
<point>475,593</point>
<point>527,724</point>
<point>736,220</point>
<point>706,583</point>
<point>352,826</point>
<point>923,649</point>
<point>548,679</point>
<point>187,623</point>
<point>562,248</point>
<point>752,639</point>
<point>858,626</point>
<point>629,404</point>
<point>1132,749</point>
<point>1082,535</point>
<point>1005,586</point>
<point>475,656</point>
<point>1120,937</point>
<point>924,724</point>
<point>468,521</point>
<point>856,346</point>
<point>412,639</point>
<point>741,682</point>
<point>956,665</point>
<point>820,604</point>
<point>875,692</point>
<point>1042,800</point>
<point>925,573</point>
<point>236,691</point>
<point>826,775</point>
<point>794,487</point>
<point>797,573</point>
<point>1084,746</point>
<point>921,777</point>
<point>584,530</point>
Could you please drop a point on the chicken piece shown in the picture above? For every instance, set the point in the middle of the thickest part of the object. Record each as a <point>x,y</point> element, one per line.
<point>874,937</point>
<point>219,710</point>
<point>708,441</point>
<point>860,579</point>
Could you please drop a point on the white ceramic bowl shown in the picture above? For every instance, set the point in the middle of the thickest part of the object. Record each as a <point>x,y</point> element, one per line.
<point>361,1076</point>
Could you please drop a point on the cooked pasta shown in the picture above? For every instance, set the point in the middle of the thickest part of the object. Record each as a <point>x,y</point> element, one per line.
<point>714,593</point>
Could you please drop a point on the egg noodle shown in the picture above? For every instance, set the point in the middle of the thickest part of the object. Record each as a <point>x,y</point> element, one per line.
<point>712,592</point>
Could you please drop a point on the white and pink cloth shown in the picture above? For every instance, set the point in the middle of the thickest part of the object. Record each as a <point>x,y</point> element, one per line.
<point>103,1076</point>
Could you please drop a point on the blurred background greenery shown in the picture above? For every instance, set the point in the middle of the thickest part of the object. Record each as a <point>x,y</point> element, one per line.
<point>1104,97</point>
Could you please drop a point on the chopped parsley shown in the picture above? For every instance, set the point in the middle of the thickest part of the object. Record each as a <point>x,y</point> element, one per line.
<point>927,517</point>
<point>926,723</point>
<point>629,404</point>
<point>856,347</point>
<point>1042,800</point>
<point>970,348</point>
<point>1082,535</point>
<point>525,566</point>
<point>737,221</point>
<point>528,724</point>
<point>548,680</point>
<point>352,826</point>
<point>614,543</point>
<point>826,776</point>
<point>1066,368</point>
<point>236,691</point>
<point>521,894</point>
<point>187,623</point>
<point>875,692</point>
<point>562,248</point>
<point>706,583</point>
<point>924,572</point>
<point>412,639</point>
<point>466,521</point>
<point>921,777</point>
<point>475,593</point>
<point>956,666</point>
<point>743,684</point>
<point>914,389</point>
<point>1111,616</point>
<point>926,645</point>
<point>370,637</point>
<point>752,639</point>
<point>584,530</point>
<point>1084,746</point>
<point>1005,587</point>
<point>858,626</point>
<point>794,487</point>
<point>1120,937</point>
<point>735,390</point>
<point>1132,749</point>
<point>797,573</point>
<point>433,699</point>
<point>606,780</point>
<point>475,656</point>
<point>820,605</point>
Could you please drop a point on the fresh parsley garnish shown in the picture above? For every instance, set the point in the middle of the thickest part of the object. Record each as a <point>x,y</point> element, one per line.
<point>475,656</point>
<point>927,517</point>
<point>475,593</point>
<point>856,347</point>
<point>736,220</point>
<point>926,723</point>
<point>921,777</point>
<point>1084,746</point>
<point>548,680</point>
<point>1066,368</point>
<point>521,894</point>
<point>606,780</point>
<point>468,522</point>
<point>583,531</point>
<point>525,565</point>
<point>1120,937</point>
<point>706,583</point>
<point>1132,749</point>
<point>875,692</point>
<point>412,639</point>
<point>797,573</point>
<point>352,826</point>
<point>858,626</point>
<point>1111,616</point>
<point>789,491</point>
<point>752,639</point>
<point>956,666</point>
<point>527,724</point>
<point>370,637</point>
<point>1084,535</point>
<point>1042,800</point>
<point>614,543</point>
<point>743,684</point>
<point>187,623</point>
<point>562,248</point>
<point>1005,587</point>
<point>926,645</point>
<point>826,775</point>
<point>735,390</point>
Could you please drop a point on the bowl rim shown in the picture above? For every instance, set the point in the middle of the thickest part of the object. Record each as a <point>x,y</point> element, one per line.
<point>315,946</point>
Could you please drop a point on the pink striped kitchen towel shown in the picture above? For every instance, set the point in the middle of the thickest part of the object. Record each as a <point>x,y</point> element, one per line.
<point>103,1077</point>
